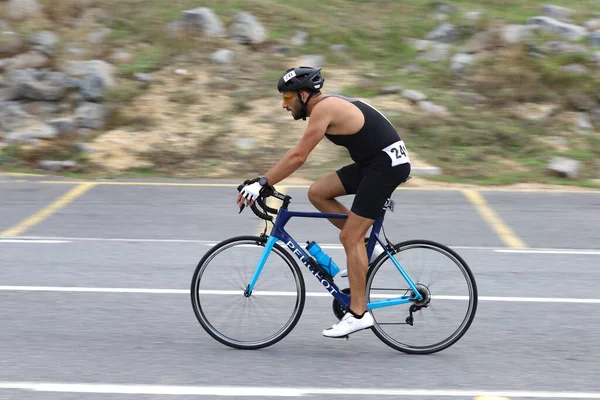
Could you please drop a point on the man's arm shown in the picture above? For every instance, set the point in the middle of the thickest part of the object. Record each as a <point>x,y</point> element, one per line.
<point>317,126</point>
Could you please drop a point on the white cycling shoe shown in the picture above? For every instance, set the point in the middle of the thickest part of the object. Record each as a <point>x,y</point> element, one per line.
<point>349,324</point>
<point>377,250</point>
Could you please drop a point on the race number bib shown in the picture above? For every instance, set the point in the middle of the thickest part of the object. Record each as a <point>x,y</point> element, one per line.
<point>398,153</point>
<point>389,205</point>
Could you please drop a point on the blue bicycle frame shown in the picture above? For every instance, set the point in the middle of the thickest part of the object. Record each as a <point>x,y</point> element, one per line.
<point>278,233</point>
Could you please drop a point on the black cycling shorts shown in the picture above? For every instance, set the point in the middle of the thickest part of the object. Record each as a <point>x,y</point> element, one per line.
<point>373,182</point>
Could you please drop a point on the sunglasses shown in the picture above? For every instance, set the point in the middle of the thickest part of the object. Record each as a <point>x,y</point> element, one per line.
<point>288,97</point>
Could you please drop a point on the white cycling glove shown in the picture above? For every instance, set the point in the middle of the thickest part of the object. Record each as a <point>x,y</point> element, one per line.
<point>252,191</point>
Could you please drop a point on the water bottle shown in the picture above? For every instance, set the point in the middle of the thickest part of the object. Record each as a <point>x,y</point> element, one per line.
<point>323,259</point>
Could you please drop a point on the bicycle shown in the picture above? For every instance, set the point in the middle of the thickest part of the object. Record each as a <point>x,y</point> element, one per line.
<point>389,286</point>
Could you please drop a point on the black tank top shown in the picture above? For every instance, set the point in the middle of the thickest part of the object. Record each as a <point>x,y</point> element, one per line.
<point>376,134</point>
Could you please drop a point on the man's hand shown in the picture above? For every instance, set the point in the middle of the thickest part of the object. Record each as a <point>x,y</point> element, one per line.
<point>249,194</point>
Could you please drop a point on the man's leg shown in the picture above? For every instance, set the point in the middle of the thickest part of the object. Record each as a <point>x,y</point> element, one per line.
<point>322,194</point>
<point>352,238</point>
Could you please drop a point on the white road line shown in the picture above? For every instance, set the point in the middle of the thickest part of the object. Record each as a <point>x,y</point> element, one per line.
<point>550,251</point>
<point>75,239</point>
<point>33,241</point>
<point>278,293</point>
<point>331,246</point>
<point>246,391</point>
<point>324,246</point>
<point>525,299</point>
<point>90,289</point>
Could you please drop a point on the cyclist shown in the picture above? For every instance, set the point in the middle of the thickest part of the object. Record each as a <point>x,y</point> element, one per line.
<point>381,163</point>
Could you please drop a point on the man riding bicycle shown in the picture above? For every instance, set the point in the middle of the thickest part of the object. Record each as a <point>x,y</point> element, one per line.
<point>381,163</point>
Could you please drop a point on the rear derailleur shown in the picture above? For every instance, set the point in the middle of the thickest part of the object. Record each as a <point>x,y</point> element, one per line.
<point>423,303</point>
<point>413,308</point>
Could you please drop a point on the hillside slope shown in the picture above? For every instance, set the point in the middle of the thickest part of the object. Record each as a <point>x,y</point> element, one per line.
<point>490,93</point>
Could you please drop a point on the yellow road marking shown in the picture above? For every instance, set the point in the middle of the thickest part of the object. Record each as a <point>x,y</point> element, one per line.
<point>143,183</point>
<point>401,188</point>
<point>487,213</point>
<point>18,174</point>
<point>306,186</point>
<point>48,210</point>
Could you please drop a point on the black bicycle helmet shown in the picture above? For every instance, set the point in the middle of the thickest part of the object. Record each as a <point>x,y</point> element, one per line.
<point>301,78</point>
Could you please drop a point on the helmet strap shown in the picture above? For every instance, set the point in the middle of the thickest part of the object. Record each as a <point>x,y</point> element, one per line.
<point>303,109</point>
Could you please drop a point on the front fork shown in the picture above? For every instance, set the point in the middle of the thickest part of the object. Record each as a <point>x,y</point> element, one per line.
<point>261,263</point>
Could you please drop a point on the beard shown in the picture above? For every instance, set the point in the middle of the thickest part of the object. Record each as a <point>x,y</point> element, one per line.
<point>296,113</point>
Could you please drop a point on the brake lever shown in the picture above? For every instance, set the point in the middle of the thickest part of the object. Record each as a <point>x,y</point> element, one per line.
<point>239,188</point>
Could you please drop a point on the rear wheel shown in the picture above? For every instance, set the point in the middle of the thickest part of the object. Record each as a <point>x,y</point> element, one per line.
<point>449,301</point>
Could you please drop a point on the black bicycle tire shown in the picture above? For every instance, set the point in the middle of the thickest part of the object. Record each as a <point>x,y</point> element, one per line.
<point>465,327</point>
<point>221,338</point>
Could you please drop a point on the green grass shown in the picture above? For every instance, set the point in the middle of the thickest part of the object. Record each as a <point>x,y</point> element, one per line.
<point>483,147</point>
<point>146,61</point>
<point>359,91</point>
<point>9,155</point>
<point>372,30</point>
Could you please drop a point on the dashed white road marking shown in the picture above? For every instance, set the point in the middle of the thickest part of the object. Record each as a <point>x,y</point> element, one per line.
<point>330,246</point>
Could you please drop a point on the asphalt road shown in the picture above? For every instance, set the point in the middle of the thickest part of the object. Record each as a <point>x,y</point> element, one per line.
<point>94,297</point>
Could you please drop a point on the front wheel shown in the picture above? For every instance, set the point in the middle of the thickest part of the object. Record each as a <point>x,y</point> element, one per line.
<point>449,293</point>
<point>224,308</point>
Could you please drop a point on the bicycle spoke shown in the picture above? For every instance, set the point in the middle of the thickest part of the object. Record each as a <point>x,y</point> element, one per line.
<point>243,279</point>
<point>430,324</point>
<point>247,322</point>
